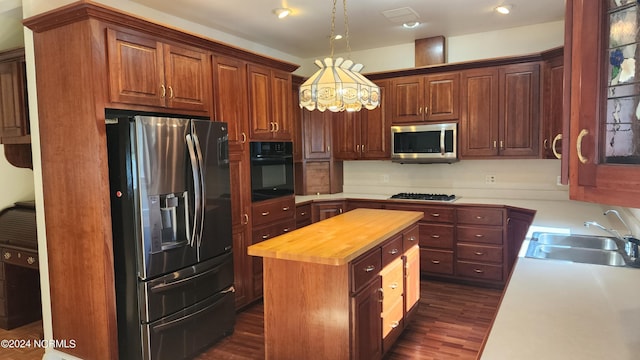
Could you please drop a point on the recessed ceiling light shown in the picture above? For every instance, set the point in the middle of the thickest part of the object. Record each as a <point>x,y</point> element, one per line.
<point>282,13</point>
<point>410,25</point>
<point>504,9</point>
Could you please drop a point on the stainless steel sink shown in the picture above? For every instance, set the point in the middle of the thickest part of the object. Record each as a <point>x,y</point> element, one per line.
<point>580,241</point>
<point>577,254</point>
<point>599,250</point>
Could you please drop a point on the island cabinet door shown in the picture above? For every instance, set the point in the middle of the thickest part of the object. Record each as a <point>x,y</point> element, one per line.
<point>367,323</point>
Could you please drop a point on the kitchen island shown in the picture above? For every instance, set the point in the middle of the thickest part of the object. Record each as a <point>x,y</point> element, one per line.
<point>342,288</point>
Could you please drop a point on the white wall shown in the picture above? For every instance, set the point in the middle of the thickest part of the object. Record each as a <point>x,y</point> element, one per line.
<point>16,183</point>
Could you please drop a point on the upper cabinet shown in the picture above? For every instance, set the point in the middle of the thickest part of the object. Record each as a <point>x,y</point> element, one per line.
<point>365,134</point>
<point>605,102</point>
<point>552,107</point>
<point>426,98</point>
<point>230,100</point>
<point>146,71</point>
<point>270,111</point>
<point>14,122</point>
<point>500,111</point>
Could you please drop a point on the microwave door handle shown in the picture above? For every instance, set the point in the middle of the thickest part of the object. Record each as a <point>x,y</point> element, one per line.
<point>203,198</point>
<point>196,187</point>
<point>442,142</point>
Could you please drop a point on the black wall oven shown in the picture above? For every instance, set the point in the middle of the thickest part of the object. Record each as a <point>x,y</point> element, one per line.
<point>271,169</point>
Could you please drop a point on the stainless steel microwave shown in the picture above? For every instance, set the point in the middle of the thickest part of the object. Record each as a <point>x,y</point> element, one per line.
<point>424,143</point>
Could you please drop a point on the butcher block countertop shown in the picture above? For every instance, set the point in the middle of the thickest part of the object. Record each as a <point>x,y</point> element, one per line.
<point>339,239</point>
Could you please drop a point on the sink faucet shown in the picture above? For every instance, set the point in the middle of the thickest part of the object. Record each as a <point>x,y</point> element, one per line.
<point>627,244</point>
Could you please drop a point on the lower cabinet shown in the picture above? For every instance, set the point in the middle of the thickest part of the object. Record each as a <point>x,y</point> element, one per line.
<point>325,209</point>
<point>366,308</point>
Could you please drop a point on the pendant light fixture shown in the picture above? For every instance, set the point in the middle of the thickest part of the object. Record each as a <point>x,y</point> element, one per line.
<point>338,84</point>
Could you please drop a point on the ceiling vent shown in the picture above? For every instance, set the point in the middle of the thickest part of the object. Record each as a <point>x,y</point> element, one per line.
<point>401,15</point>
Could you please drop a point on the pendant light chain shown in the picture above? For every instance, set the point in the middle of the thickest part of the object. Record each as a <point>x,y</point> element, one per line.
<point>332,37</point>
<point>346,28</point>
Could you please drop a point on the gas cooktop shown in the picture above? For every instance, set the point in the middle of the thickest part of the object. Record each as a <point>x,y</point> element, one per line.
<point>427,197</point>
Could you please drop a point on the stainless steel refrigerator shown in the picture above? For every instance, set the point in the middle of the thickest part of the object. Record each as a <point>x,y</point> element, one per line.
<point>172,243</point>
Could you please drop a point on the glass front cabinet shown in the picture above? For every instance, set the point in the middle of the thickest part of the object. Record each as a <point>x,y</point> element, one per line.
<point>604,163</point>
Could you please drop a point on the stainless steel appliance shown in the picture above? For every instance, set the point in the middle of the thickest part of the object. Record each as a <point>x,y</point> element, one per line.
<point>171,214</point>
<point>424,197</point>
<point>424,143</point>
<point>271,169</point>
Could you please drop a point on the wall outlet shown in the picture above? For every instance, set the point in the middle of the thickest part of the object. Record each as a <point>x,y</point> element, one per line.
<point>384,178</point>
<point>490,179</point>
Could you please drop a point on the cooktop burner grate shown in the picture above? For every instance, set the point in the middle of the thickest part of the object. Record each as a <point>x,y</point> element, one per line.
<point>429,197</point>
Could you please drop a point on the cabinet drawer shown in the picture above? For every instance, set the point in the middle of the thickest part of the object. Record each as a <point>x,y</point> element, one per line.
<point>392,318</point>
<point>271,231</point>
<point>488,235</point>
<point>436,236</point>
<point>410,237</point>
<point>480,253</point>
<point>20,257</point>
<point>431,213</point>
<point>391,250</point>
<point>436,261</point>
<point>365,268</point>
<point>480,216</point>
<point>303,213</point>
<point>479,271</point>
<point>268,211</point>
<point>392,284</point>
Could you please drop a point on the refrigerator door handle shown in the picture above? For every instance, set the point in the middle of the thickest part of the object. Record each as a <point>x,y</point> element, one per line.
<point>203,197</point>
<point>196,188</point>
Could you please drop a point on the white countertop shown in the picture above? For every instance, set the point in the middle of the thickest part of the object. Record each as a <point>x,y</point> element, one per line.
<point>560,310</point>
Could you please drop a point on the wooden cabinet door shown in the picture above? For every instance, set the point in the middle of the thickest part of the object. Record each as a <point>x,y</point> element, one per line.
<point>412,277</point>
<point>442,97</point>
<point>408,96</point>
<point>375,129</point>
<point>241,227</point>
<point>346,135</point>
<point>230,98</point>
<point>552,107</point>
<point>316,129</point>
<point>188,78</point>
<point>281,105</point>
<point>13,111</point>
<point>325,210</point>
<point>136,69</point>
<point>479,130</point>
<point>367,327</point>
<point>260,123</point>
<point>519,110</point>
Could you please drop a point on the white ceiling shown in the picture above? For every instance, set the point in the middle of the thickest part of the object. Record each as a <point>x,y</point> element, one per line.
<point>305,33</point>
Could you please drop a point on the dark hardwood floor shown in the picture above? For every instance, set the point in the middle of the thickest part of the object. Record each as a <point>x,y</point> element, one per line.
<point>451,323</point>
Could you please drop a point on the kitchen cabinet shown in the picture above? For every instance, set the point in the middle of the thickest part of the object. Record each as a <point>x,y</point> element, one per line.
<point>434,97</point>
<point>230,98</point>
<point>364,134</point>
<point>363,203</point>
<point>303,215</point>
<point>326,209</point>
<point>367,328</point>
<point>318,177</point>
<point>604,137</point>
<point>269,103</point>
<point>147,71</point>
<point>316,130</point>
<point>19,288</point>
<point>14,115</point>
<point>552,107</point>
<point>500,111</point>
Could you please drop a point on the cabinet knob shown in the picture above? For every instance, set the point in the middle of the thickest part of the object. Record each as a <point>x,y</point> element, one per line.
<point>31,260</point>
<point>394,285</point>
<point>412,238</point>
<point>393,251</point>
<point>583,159</point>
<point>394,324</point>
<point>7,255</point>
<point>303,213</point>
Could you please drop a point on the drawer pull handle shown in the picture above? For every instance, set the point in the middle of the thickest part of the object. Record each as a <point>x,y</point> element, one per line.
<point>583,159</point>
<point>265,213</point>
<point>369,268</point>
<point>394,286</point>
<point>435,261</point>
<point>381,297</point>
<point>478,271</point>
<point>245,218</point>
<point>412,238</point>
<point>285,230</point>
<point>30,260</point>
<point>394,324</point>
<point>479,235</point>
<point>266,236</point>
<point>479,253</point>
<point>393,251</point>
<point>286,208</point>
<point>479,217</point>
<point>303,213</point>
<point>435,236</point>
<point>435,215</point>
